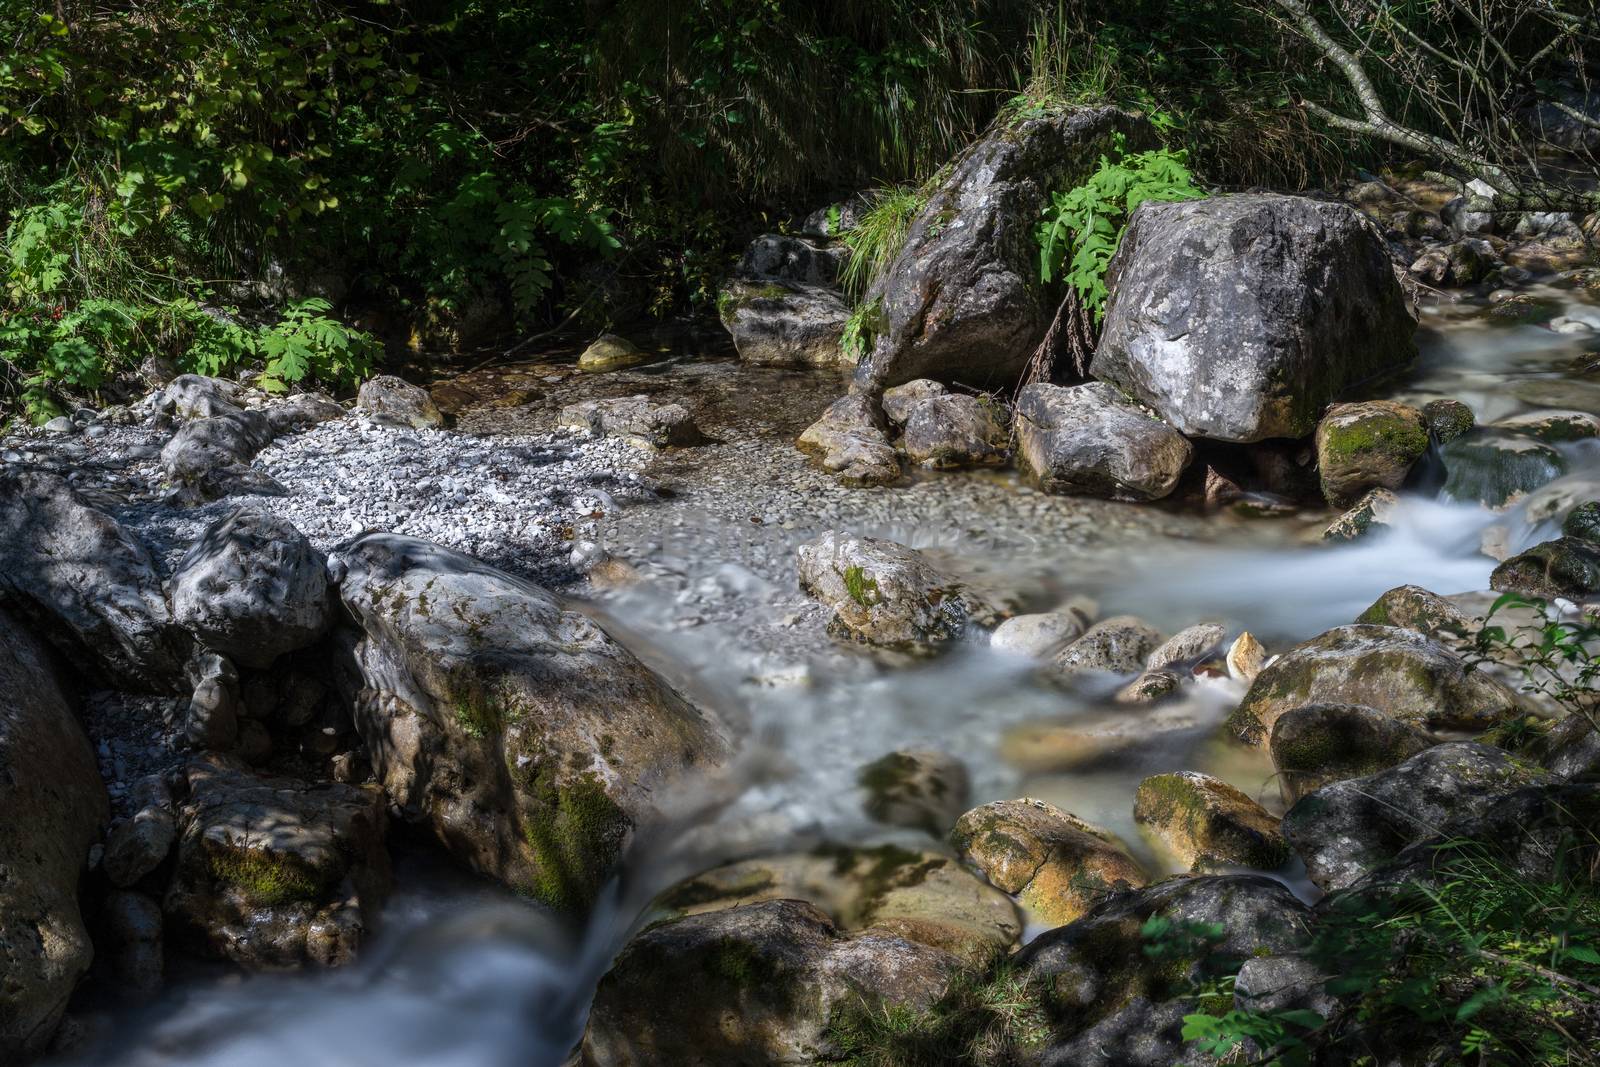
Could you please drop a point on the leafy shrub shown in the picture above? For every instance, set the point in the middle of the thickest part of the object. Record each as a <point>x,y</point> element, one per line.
<point>1082,226</point>
<point>1558,656</point>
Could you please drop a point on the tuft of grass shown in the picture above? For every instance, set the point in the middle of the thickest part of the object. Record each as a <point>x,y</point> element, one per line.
<point>992,1018</point>
<point>877,239</point>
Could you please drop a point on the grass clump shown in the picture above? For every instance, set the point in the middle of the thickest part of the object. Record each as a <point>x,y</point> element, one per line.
<point>985,1019</point>
<point>879,236</point>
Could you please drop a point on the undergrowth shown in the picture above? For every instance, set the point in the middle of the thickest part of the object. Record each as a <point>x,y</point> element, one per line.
<point>983,1020</point>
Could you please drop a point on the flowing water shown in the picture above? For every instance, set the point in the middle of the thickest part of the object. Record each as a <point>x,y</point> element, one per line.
<point>463,975</point>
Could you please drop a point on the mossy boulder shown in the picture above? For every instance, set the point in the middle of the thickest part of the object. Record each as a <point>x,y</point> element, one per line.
<point>1205,823</point>
<point>1121,978</point>
<point>609,352</point>
<point>526,738</point>
<point>1554,427</point>
<point>1448,419</point>
<point>1370,515</point>
<point>1496,468</point>
<point>1368,445</point>
<point>889,595</point>
<point>1057,865</point>
<point>1583,522</point>
<point>52,809</point>
<point>755,984</point>
<point>1415,608</point>
<point>273,872</point>
<point>1316,744</point>
<point>1400,672</point>
<point>919,789</point>
<point>918,894</point>
<point>1566,567</point>
<point>1346,829</point>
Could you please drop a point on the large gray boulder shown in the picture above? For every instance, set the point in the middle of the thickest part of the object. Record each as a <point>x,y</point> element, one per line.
<point>1240,318</point>
<point>53,806</point>
<point>252,587</point>
<point>1088,440</point>
<point>962,300</point>
<point>520,732</point>
<point>86,583</point>
<point>778,323</point>
<point>756,984</point>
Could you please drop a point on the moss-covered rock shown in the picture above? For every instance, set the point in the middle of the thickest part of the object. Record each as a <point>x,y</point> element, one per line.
<point>1554,427</point>
<point>1370,514</point>
<point>1205,823</point>
<point>1496,468</point>
<point>1057,865</point>
<point>1316,744</point>
<point>1346,829</point>
<point>1415,608</point>
<point>1566,567</point>
<point>747,985</point>
<point>778,323</point>
<point>1448,419</point>
<point>609,352</point>
<point>273,872</point>
<point>920,789</point>
<point>1398,671</point>
<point>522,734</point>
<point>1583,522</point>
<point>1369,445</point>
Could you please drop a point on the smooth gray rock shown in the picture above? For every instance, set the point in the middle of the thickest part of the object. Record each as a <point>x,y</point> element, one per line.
<point>302,411</point>
<point>1038,635</point>
<point>398,402</point>
<point>211,456</point>
<point>784,324</point>
<point>528,739</point>
<point>955,430</point>
<point>253,588</point>
<point>637,418</point>
<point>1088,440</point>
<point>54,805</point>
<point>962,301</point>
<point>87,583</point>
<point>1240,318</point>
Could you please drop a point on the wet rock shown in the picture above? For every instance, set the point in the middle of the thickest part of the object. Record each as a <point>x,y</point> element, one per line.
<point>1316,744</point>
<point>920,895</point>
<point>302,412</point>
<point>1370,445</point>
<point>1398,671</point>
<point>923,790</point>
<point>1188,646</point>
<point>1496,468</point>
<point>785,324</point>
<point>1415,608</point>
<point>1240,318</point>
<point>1057,865</point>
<point>887,594</point>
<point>212,720</point>
<point>793,259</point>
<point>274,872</point>
<point>1349,828</point>
<point>850,440</point>
<point>746,985</point>
<point>1448,419</point>
<point>1089,440</point>
<point>961,301</point>
<point>1458,264</point>
<point>520,732</point>
<point>1246,657</point>
<point>397,402</point>
<point>1151,686</point>
<point>1566,567</point>
<point>1116,738</point>
<point>253,588</point>
<point>1552,427</point>
<point>1038,635</point>
<point>898,401</point>
<point>54,807</point>
<point>1205,823</point>
<point>1369,515</point>
<point>86,582</point>
<point>955,430</point>
<point>635,418</point>
<point>1118,645</point>
<point>137,845</point>
<point>131,938</point>
<point>1583,522</point>
<point>1124,1005</point>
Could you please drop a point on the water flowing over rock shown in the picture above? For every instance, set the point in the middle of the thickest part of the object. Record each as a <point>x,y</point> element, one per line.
<point>272,872</point>
<point>921,789</point>
<point>887,594</point>
<point>748,985</point>
<point>1089,440</point>
<point>1349,828</point>
<point>1398,671</point>
<point>1240,318</point>
<point>962,300</point>
<point>54,806</point>
<point>1122,1006</point>
<point>525,736</point>
<point>1370,515</point>
<point>86,582</point>
<point>778,323</point>
<point>252,588</point>
<point>1497,468</point>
